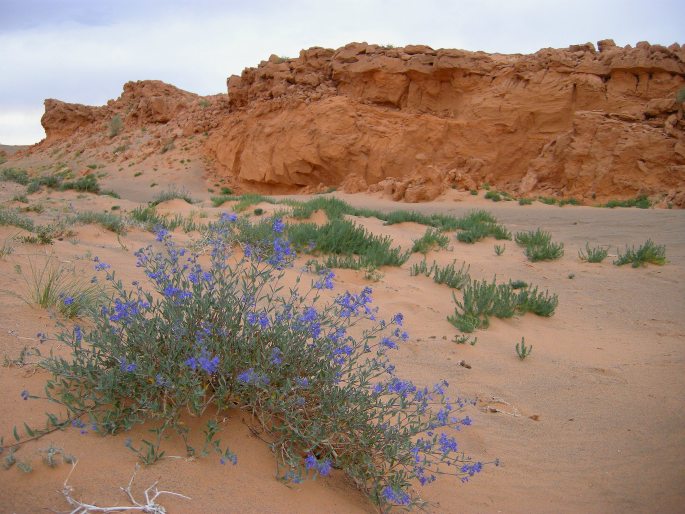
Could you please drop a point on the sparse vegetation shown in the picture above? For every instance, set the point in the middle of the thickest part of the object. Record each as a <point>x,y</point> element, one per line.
<point>648,252</point>
<point>51,284</point>
<point>522,350</point>
<point>15,175</point>
<point>499,249</point>
<point>547,200</point>
<point>116,125</point>
<point>107,220</point>
<point>482,300</point>
<point>539,246</point>
<point>596,254</point>
<point>525,201</point>
<point>430,240</point>
<point>641,202</point>
<point>172,193</point>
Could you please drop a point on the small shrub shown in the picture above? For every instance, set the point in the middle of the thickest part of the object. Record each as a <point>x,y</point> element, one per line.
<point>108,220</point>
<point>52,285</point>
<point>87,183</point>
<point>647,252</point>
<point>13,218</point>
<point>517,284</point>
<point>20,198</point>
<point>499,249</point>
<point>493,195</point>
<point>547,200</point>
<point>482,300</point>
<point>568,201</point>
<point>641,202</point>
<point>115,126</point>
<point>421,268</point>
<point>522,350</point>
<point>451,276</point>
<point>342,237</point>
<point>596,254</point>
<point>474,192</point>
<point>536,302</point>
<point>295,364</point>
<point>430,240</point>
<point>525,201</point>
<point>226,191</point>
<point>539,246</point>
<point>258,211</point>
<point>479,224</point>
<point>137,173</point>
<point>15,175</point>
<point>172,194</point>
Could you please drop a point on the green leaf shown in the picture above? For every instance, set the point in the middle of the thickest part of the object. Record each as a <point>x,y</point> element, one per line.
<point>30,432</point>
<point>16,434</point>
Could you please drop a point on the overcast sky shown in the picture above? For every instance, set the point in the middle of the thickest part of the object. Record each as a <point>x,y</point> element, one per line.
<point>85,50</point>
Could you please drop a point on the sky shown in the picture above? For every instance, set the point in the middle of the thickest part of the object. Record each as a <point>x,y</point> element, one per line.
<point>83,51</point>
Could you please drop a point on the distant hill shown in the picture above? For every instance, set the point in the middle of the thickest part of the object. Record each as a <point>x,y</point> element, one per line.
<point>11,149</point>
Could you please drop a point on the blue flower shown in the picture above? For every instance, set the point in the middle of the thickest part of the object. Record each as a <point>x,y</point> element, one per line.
<point>42,337</point>
<point>395,496</point>
<point>302,382</point>
<point>230,218</point>
<point>388,343</point>
<point>310,462</point>
<point>472,469</point>
<point>276,356</point>
<point>447,444</point>
<point>68,300</point>
<point>127,367</point>
<point>326,282</point>
<point>325,468</point>
<point>25,395</point>
<point>398,318</point>
<point>161,233</point>
<point>78,334</point>
<point>278,226</point>
<point>250,377</point>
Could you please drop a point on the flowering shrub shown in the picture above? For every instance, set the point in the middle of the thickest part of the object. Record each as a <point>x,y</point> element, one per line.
<point>219,330</point>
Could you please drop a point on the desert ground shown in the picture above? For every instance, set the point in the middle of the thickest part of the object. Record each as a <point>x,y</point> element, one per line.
<point>591,421</point>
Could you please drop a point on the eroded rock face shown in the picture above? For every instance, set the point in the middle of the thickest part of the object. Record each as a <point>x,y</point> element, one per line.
<point>573,121</point>
<point>415,121</point>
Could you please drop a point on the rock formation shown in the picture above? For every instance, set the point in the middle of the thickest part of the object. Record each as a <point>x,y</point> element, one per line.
<point>415,121</point>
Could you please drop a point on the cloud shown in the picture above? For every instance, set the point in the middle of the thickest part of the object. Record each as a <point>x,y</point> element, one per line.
<point>84,51</point>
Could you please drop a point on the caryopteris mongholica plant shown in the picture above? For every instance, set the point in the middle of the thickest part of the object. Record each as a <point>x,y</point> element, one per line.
<point>217,332</point>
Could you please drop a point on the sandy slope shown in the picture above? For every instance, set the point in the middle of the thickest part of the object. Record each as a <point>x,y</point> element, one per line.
<point>592,421</point>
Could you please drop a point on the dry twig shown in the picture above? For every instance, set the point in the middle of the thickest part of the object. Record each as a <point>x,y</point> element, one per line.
<point>150,505</point>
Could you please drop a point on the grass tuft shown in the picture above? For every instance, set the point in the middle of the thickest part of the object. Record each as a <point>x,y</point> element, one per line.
<point>648,252</point>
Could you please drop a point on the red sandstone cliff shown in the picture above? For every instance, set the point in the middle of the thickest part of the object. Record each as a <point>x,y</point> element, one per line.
<point>414,121</point>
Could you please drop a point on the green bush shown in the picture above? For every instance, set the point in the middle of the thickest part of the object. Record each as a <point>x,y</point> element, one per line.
<point>477,225</point>
<point>172,194</point>
<point>596,254</point>
<point>342,237</point>
<point>87,183</point>
<point>647,252</point>
<point>116,125</point>
<point>160,352</point>
<point>430,240</point>
<point>525,201</point>
<point>539,246</point>
<point>108,220</point>
<point>13,218</point>
<point>15,175</point>
<point>482,300</point>
<point>548,200</point>
<point>641,202</point>
<point>493,195</point>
